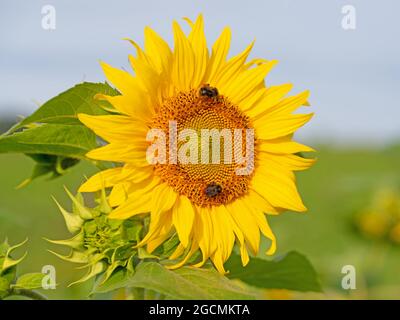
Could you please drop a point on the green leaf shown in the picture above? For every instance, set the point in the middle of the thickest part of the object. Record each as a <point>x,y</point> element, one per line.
<point>292,271</point>
<point>186,283</point>
<point>29,281</point>
<point>53,139</point>
<point>63,109</point>
<point>48,164</point>
<point>118,279</point>
<point>53,135</point>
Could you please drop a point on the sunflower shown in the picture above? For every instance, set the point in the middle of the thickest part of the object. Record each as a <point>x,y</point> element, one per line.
<point>208,206</point>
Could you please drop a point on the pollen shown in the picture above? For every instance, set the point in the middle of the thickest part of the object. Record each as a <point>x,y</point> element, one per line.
<point>191,110</point>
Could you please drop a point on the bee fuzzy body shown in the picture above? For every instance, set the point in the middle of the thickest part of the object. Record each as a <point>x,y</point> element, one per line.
<point>212,190</point>
<point>208,91</point>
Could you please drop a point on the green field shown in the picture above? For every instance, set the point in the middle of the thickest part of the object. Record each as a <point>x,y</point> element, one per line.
<point>340,184</point>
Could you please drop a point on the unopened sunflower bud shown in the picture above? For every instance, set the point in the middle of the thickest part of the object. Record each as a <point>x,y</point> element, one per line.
<point>100,244</point>
<point>6,262</point>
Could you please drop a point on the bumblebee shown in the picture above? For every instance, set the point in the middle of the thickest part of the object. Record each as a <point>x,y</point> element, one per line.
<point>212,190</point>
<point>208,91</point>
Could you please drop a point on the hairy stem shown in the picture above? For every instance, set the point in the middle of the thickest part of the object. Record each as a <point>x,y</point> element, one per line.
<point>137,293</point>
<point>34,295</point>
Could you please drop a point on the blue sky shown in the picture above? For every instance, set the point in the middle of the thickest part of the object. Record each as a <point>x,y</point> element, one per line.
<point>353,75</point>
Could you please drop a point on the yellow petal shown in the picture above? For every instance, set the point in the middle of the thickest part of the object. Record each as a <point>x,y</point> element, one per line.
<point>253,99</point>
<point>282,147</point>
<point>271,97</point>
<point>140,54</point>
<point>193,249</point>
<point>289,161</point>
<point>218,56</point>
<point>255,62</point>
<point>163,234</point>
<point>290,104</point>
<point>148,78</point>
<point>231,69</point>
<point>157,50</point>
<point>184,61</point>
<point>261,221</point>
<point>135,193</point>
<point>197,39</point>
<point>238,233</point>
<point>277,188</point>
<point>246,223</point>
<point>178,252</point>
<point>183,217</point>
<point>102,179</point>
<point>164,197</point>
<point>132,188</point>
<point>136,104</point>
<point>140,181</point>
<point>278,126</point>
<point>204,234</point>
<point>246,82</point>
<point>123,80</point>
<point>162,200</point>
<point>131,207</point>
<point>223,232</point>
<point>114,127</point>
<point>262,204</point>
<point>218,261</point>
<point>119,153</point>
<point>118,194</point>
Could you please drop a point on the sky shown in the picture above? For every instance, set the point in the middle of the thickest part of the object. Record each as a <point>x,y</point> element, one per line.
<point>353,75</point>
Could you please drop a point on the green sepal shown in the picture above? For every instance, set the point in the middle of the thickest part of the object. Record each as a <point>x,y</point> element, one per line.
<point>94,270</point>
<point>6,261</point>
<point>74,256</point>
<point>78,207</point>
<point>76,242</point>
<point>73,221</point>
<point>143,254</point>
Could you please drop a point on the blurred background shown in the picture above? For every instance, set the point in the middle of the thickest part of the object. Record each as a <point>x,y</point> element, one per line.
<point>353,74</point>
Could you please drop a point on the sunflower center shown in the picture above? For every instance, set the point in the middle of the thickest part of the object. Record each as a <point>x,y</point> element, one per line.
<point>213,179</point>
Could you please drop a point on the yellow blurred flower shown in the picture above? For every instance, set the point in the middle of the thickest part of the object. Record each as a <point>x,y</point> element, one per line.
<point>395,233</point>
<point>381,219</point>
<point>373,224</point>
<point>278,294</point>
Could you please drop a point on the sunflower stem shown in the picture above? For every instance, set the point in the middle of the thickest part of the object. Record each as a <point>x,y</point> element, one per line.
<point>31,294</point>
<point>137,293</point>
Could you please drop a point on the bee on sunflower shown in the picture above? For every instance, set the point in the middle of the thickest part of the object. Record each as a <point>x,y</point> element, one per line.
<point>208,205</point>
